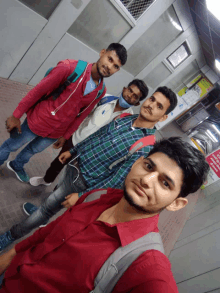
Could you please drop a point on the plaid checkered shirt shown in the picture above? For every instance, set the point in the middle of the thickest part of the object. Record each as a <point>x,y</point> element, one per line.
<point>108,144</point>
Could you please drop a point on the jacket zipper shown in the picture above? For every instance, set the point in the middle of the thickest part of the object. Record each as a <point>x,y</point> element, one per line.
<point>58,108</point>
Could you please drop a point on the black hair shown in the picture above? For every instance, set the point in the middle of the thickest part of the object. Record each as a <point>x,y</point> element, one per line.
<point>170,95</point>
<point>142,87</point>
<point>188,158</point>
<point>120,51</point>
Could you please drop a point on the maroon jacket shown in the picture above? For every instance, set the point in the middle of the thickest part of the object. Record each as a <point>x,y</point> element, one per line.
<point>67,106</point>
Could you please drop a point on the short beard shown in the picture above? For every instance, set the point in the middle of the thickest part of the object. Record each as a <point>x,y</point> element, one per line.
<point>130,200</point>
<point>100,74</point>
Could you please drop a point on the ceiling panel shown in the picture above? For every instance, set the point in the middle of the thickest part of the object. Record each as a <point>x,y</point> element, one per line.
<point>157,75</point>
<point>162,32</point>
<point>97,28</point>
<point>184,76</point>
<point>208,29</point>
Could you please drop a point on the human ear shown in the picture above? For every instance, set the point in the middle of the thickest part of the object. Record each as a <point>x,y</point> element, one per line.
<point>163,118</point>
<point>178,204</point>
<point>102,52</point>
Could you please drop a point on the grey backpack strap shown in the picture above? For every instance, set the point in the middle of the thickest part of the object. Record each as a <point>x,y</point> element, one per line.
<point>122,258</point>
<point>95,195</point>
<point>130,153</point>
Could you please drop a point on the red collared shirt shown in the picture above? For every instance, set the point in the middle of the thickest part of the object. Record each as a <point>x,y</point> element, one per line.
<point>67,255</point>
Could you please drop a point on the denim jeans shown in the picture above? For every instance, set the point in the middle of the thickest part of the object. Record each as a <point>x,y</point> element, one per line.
<point>71,181</point>
<point>1,279</point>
<point>36,145</point>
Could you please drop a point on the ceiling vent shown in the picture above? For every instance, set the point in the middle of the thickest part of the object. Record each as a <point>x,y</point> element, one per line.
<point>133,9</point>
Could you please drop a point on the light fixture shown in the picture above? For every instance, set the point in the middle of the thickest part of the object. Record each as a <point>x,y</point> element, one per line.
<point>179,55</point>
<point>214,7</point>
<point>217,64</point>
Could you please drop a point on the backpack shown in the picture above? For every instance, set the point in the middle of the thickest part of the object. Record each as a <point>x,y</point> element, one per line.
<point>142,142</point>
<point>78,71</point>
<point>119,261</point>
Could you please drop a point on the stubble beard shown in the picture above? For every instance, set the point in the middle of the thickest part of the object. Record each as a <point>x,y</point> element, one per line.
<point>130,200</point>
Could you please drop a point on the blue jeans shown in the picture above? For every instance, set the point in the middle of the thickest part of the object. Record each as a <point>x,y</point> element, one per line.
<point>1,280</point>
<point>71,181</point>
<point>37,144</point>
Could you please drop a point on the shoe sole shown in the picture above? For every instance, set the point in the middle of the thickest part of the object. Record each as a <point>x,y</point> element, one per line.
<point>41,226</point>
<point>10,168</point>
<point>46,184</point>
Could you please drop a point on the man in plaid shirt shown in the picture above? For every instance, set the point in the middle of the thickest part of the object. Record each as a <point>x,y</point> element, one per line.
<point>92,159</point>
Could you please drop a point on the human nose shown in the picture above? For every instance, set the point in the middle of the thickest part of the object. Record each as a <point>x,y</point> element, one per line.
<point>149,179</point>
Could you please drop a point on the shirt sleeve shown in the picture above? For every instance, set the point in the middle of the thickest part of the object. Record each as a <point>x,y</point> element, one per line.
<point>49,83</point>
<point>149,273</point>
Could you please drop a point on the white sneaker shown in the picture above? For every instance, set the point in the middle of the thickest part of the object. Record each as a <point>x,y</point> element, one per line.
<point>35,181</point>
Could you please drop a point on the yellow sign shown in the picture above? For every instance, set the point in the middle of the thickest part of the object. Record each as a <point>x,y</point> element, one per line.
<point>204,86</point>
<point>182,91</point>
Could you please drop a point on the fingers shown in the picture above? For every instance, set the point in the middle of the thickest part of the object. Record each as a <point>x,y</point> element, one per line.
<point>56,145</point>
<point>65,204</point>
<point>62,160</point>
<point>68,196</point>
<point>19,128</point>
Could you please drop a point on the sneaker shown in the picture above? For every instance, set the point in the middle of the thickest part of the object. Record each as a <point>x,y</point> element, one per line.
<point>5,240</point>
<point>29,209</point>
<point>35,181</point>
<point>21,175</point>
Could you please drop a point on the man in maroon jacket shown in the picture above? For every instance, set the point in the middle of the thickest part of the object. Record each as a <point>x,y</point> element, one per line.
<point>50,120</point>
<point>67,254</point>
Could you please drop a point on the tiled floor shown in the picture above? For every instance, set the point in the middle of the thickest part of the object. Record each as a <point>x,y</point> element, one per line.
<point>14,193</point>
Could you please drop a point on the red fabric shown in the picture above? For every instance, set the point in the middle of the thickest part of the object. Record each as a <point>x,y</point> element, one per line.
<point>67,255</point>
<point>65,122</point>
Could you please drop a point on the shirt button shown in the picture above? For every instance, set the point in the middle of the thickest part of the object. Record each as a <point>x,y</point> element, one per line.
<point>63,239</point>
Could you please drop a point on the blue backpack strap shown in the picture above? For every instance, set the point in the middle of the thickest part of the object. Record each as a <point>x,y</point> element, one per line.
<point>48,71</point>
<point>120,260</point>
<point>106,100</point>
<point>80,67</point>
<point>100,92</point>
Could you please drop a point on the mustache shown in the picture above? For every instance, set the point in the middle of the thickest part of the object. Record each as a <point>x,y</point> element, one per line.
<point>149,109</point>
<point>106,69</point>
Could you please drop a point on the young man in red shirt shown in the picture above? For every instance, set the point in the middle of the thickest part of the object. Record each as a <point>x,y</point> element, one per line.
<point>54,121</point>
<point>67,255</point>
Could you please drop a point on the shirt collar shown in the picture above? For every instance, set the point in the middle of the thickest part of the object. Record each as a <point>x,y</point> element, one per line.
<point>132,230</point>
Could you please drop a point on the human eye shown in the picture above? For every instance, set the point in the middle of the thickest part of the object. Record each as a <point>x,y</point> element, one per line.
<point>165,183</point>
<point>148,165</point>
<point>116,66</point>
<point>110,59</point>
<point>160,107</point>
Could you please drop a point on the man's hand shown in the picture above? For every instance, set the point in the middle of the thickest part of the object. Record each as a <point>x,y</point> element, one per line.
<point>59,143</point>
<point>71,199</point>
<point>64,156</point>
<point>5,260</point>
<point>13,122</point>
